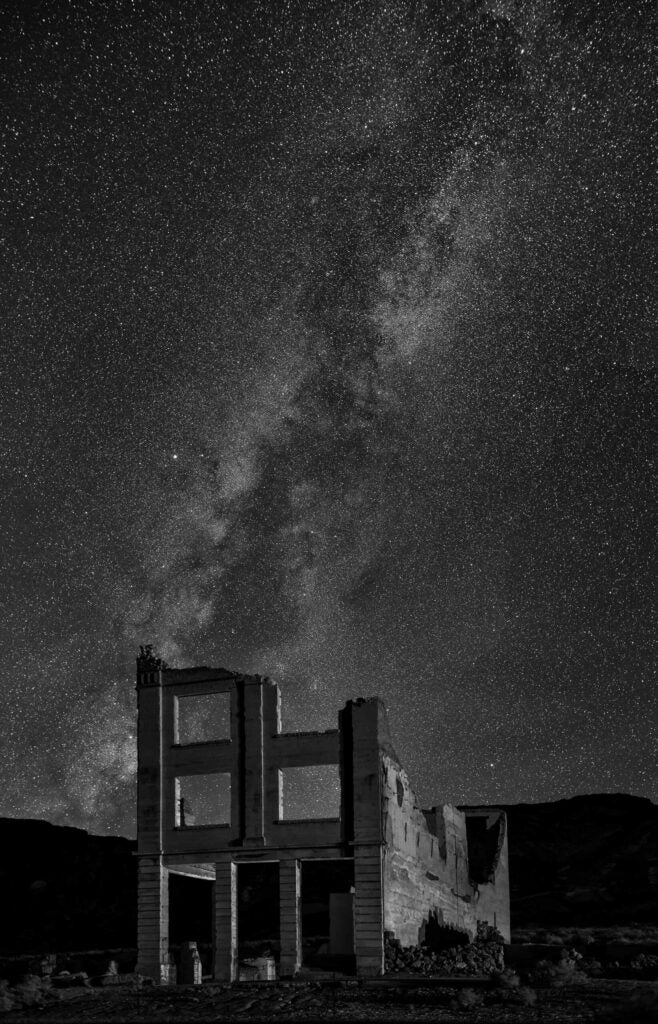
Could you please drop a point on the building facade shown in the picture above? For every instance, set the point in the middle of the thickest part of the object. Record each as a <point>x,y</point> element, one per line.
<point>220,786</point>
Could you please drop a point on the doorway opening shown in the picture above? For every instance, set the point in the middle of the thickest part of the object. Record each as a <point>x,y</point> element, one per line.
<point>258,912</point>
<point>191,917</point>
<point>328,915</point>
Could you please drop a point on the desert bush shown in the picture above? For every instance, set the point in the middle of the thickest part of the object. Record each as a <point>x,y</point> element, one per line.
<point>580,937</point>
<point>586,935</point>
<point>506,979</point>
<point>6,999</point>
<point>646,964</point>
<point>549,975</point>
<point>544,937</point>
<point>30,991</point>
<point>488,933</point>
<point>591,968</point>
<point>468,999</point>
<point>521,996</point>
<point>525,996</point>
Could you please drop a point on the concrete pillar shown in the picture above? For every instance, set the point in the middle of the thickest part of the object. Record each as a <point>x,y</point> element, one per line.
<point>149,755</point>
<point>153,919</point>
<point>226,921</point>
<point>290,896</point>
<point>152,876</point>
<point>365,735</point>
<point>271,729</point>
<point>255,720</point>
<point>253,765</point>
<point>367,725</point>
<point>368,911</point>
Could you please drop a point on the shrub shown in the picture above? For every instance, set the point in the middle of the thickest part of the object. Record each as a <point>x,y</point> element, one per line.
<point>548,975</point>
<point>526,996</point>
<point>6,1000</point>
<point>29,991</point>
<point>521,996</point>
<point>507,979</point>
<point>468,998</point>
<point>488,933</point>
<point>591,968</point>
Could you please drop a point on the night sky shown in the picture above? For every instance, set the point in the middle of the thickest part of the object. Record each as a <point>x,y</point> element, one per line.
<point>328,353</point>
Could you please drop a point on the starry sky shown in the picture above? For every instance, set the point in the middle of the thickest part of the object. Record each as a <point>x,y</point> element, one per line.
<point>327,353</point>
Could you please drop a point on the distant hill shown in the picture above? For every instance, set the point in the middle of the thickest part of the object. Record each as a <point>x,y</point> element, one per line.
<point>583,861</point>
<point>576,862</point>
<point>63,889</point>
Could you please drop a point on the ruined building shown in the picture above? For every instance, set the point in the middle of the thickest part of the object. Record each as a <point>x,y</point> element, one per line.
<point>221,787</point>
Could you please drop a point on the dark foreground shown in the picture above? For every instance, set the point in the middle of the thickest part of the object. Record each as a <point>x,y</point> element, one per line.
<point>618,1001</point>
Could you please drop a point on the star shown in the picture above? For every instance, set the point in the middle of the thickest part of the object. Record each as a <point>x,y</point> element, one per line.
<point>369,265</point>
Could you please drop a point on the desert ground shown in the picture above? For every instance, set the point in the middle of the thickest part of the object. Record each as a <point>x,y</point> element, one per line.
<point>618,1001</point>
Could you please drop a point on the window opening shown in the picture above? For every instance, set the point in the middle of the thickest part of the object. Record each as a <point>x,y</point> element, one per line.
<point>203,800</point>
<point>312,791</point>
<point>203,718</point>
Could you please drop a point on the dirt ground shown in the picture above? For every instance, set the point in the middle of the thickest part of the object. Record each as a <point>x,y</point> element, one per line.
<point>624,1002</point>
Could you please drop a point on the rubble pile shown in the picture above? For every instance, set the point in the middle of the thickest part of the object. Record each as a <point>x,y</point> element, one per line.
<point>483,956</point>
<point>30,991</point>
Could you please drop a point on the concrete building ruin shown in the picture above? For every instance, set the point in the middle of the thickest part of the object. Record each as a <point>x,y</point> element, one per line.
<point>221,787</point>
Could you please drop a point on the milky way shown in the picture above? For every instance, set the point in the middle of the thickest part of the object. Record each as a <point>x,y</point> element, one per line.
<point>328,353</point>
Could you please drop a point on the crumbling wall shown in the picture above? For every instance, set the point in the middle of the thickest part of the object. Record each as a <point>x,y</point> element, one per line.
<point>425,870</point>
<point>489,866</point>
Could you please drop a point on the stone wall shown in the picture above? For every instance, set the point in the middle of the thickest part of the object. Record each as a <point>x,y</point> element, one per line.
<point>489,866</point>
<point>425,871</point>
<point>428,880</point>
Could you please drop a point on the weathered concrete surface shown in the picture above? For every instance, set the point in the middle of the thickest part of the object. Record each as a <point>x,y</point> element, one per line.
<point>426,873</point>
<point>428,864</point>
<point>489,866</point>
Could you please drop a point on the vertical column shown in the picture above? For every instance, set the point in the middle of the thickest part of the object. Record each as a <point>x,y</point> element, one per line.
<point>153,919</point>
<point>226,921</point>
<point>253,766</point>
<point>149,758</point>
<point>290,894</point>
<point>271,729</point>
<point>365,734</point>
<point>366,770</point>
<point>368,911</point>
<point>152,875</point>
